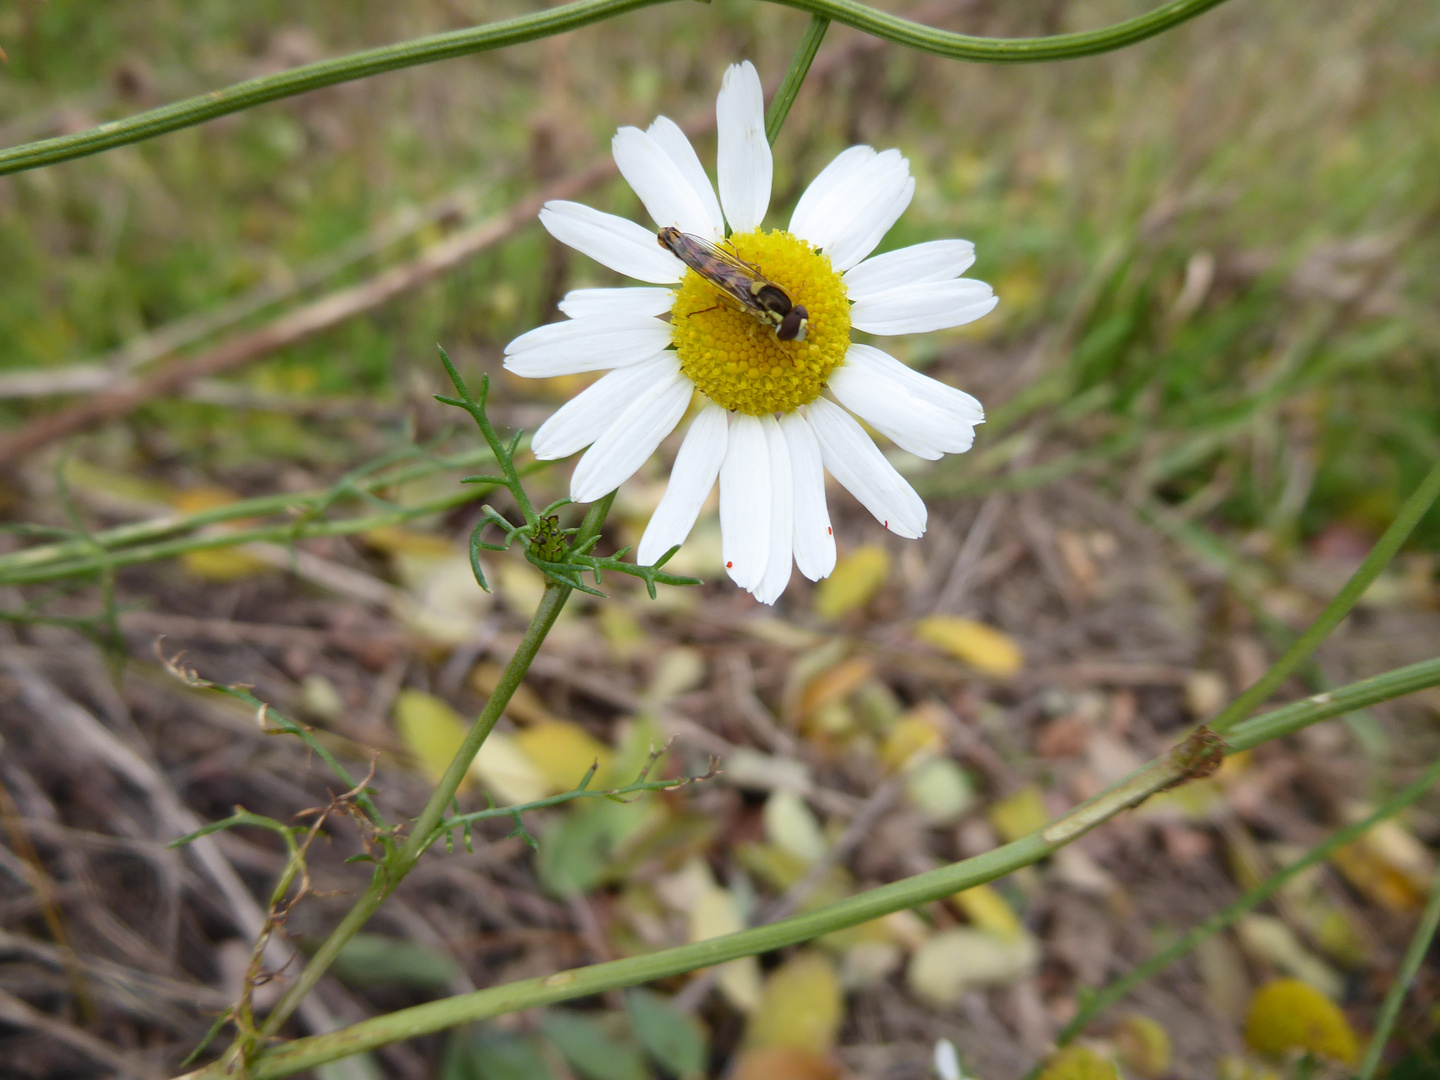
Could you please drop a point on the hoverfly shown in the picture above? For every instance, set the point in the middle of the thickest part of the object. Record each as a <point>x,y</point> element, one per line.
<point>739,283</point>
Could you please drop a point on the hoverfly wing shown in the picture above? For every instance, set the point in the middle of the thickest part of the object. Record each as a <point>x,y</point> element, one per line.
<point>738,282</point>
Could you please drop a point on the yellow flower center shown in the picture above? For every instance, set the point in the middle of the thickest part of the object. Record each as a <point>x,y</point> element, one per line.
<point>734,357</point>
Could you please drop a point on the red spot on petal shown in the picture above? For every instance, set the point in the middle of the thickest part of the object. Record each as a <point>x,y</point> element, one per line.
<point>829,531</point>
<point>886,525</point>
<point>729,566</point>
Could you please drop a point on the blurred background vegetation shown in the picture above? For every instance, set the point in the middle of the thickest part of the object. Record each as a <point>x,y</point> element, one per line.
<point>1213,376</point>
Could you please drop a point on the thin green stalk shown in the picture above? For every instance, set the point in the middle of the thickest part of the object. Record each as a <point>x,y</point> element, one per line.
<point>799,68</point>
<point>1165,771</point>
<point>1097,1003</point>
<point>1395,996</point>
<point>262,506</point>
<point>283,533</point>
<point>252,92</point>
<point>1380,555</point>
<point>393,871</point>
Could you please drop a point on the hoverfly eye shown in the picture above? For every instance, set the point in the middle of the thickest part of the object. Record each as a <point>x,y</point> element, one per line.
<point>793,326</point>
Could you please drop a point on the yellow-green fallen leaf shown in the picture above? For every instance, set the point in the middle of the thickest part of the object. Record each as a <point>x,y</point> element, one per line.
<point>801,1006</point>
<point>1144,1046</point>
<point>1288,1015</point>
<point>1079,1063</point>
<point>939,790</point>
<point>507,772</point>
<point>430,729</point>
<point>217,563</point>
<point>790,826</point>
<point>1271,939</point>
<point>953,962</point>
<point>1020,814</point>
<point>857,577</point>
<point>986,908</point>
<point>834,684</point>
<point>982,647</point>
<point>562,752</point>
<point>915,735</point>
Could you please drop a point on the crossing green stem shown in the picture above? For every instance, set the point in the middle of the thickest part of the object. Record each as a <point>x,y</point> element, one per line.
<point>557,20</point>
<point>1163,772</point>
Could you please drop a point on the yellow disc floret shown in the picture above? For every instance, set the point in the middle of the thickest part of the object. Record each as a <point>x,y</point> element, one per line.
<point>734,357</point>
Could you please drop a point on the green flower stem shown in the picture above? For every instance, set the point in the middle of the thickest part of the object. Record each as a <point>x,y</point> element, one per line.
<point>263,506</point>
<point>1169,769</point>
<point>1380,555</point>
<point>1097,1003</point>
<point>389,875</point>
<point>1400,985</point>
<point>799,67</point>
<point>300,80</point>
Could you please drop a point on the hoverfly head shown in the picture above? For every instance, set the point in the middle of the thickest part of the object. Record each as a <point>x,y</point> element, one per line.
<point>794,325</point>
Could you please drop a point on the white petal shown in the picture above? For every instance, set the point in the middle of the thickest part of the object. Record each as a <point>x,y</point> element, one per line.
<point>589,414</point>
<point>814,538</point>
<point>869,215</point>
<point>779,562</point>
<point>620,303</point>
<point>918,309</point>
<point>696,467</point>
<point>857,463</point>
<point>664,189</point>
<point>850,206</point>
<point>745,502</point>
<point>593,344</point>
<point>809,221</point>
<point>668,134</point>
<point>632,438</point>
<point>623,246</point>
<point>918,413</point>
<point>742,152</point>
<point>936,260</point>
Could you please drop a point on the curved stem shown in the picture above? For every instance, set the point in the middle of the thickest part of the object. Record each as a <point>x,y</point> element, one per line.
<point>799,68</point>
<point>252,92</point>
<point>1163,772</point>
<point>389,875</point>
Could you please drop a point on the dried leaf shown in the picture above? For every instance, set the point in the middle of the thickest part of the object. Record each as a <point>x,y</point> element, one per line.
<point>951,963</point>
<point>1143,1046</point>
<point>856,578</point>
<point>507,772</point>
<point>1020,814</point>
<point>562,752</point>
<point>219,563</point>
<point>940,791</point>
<point>982,647</point>
<point>801,1006</point>
<point>1270,939</point>
<point>790,826</point>
<point>430,729</point>
<point>986,908</point>
<point>1287,1015</point>
<point>916,734</point>
<point>783,1063</point>
<point>1079,1063</point>
<point>834,684</point>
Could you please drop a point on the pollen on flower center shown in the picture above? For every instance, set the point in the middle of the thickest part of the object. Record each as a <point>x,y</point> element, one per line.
<point>734,357</point>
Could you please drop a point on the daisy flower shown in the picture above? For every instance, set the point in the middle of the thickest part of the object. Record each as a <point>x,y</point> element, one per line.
<point>777,413</point>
